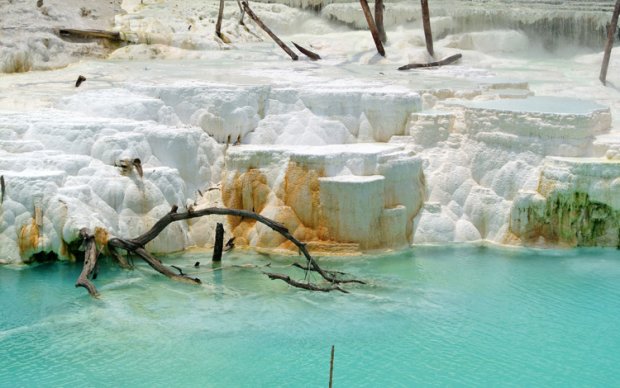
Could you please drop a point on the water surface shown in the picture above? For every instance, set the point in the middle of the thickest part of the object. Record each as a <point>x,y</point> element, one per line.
<point>459,316</point>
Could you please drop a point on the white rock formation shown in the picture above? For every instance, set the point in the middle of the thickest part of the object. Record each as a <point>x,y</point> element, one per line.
<point>349,153</point>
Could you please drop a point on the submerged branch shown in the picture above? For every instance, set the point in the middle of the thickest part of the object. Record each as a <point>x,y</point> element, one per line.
<point>151,260</point>
<point>305,286</point>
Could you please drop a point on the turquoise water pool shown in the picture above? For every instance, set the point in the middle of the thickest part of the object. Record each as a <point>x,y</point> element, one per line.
<point>460,316</point>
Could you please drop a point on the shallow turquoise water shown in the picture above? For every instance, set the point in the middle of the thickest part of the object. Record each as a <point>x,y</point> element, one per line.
<point>459,316</point>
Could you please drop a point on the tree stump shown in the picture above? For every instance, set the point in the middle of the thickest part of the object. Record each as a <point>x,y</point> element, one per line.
<point>219,242</point>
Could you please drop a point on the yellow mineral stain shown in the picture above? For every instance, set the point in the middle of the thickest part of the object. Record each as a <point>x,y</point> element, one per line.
<point>65,252</point>
<point>295,204</point>
<point>247,191</point>
<point>545,186</point>
<point>255,183</point>
<point>28,238</point>
<point>64,249</point>
<point>231,196</point>
<point>333,248</point>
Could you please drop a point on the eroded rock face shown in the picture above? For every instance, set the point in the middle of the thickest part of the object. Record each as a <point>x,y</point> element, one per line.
<point>365,196</point>
<point>60,176</point>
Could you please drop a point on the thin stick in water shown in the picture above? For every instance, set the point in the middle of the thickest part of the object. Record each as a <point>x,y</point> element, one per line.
<point>331,368</point>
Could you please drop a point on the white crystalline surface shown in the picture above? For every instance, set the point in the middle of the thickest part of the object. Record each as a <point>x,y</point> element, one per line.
<point>347,152</point>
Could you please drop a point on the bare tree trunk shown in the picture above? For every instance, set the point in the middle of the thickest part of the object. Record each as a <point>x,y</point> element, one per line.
<point>426,21</point>
<point>273,36</point>
<point>611,32</point>
<point>379,20</point>
<point>90,262</point>
<point>218,25</point>
<point>373,27</point>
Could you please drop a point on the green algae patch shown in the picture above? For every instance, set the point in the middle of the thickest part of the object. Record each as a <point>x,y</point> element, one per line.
<point>567,219</point>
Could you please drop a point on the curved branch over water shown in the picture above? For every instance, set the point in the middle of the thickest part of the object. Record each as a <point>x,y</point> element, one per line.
<point>136,245</point>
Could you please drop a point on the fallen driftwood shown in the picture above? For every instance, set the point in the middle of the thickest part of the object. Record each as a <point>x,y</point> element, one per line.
<point>443,62</point>
<point>611,32</point>
<point>136,246</point>
<point>373,27</point>
<point>90,34</point>
<point>306,52</point>
<point>273,36</point>
<point>90,262</point>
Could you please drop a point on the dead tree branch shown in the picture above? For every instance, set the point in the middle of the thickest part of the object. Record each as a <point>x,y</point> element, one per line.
<point>157,265</point>
<point>312,55</point>
<point>2,188</point>
<point>136,245</point>
<point>305,268</point>
<point>305,286</point>
<point>273,36</point>
<point>160,225</point>
<point>122,262</point>
<point>242,13</point>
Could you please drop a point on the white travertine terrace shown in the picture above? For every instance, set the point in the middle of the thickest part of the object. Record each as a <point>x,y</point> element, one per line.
<point>511,146</point>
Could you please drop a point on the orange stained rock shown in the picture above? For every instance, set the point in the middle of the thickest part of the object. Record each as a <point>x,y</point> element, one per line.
<point>248,191</point>
<point>302,193</point>
<point>28,238</point>
<point>296,204</point>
